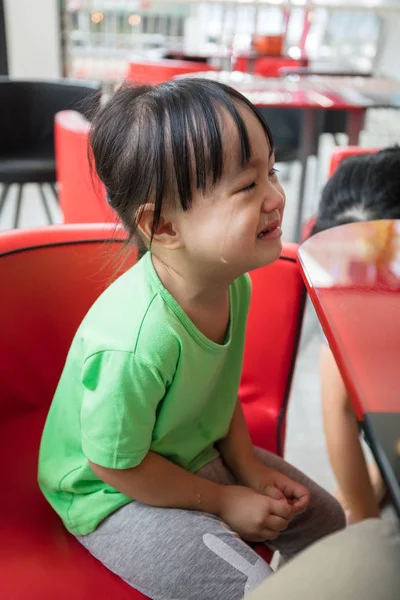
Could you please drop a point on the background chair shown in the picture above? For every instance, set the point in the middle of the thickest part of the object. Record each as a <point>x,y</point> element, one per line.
<point>81,194</point>
<point>338,155</point>
<point>286,128</point>
<point>27,110</point>
<point>50,276</point>
<point>157,71</point>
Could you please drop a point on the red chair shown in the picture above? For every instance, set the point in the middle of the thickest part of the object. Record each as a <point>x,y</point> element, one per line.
<point>49,278</point>
<point>273,333</point>
<point>75,179</point>
<point>338,155</point>
<point>156,71</point>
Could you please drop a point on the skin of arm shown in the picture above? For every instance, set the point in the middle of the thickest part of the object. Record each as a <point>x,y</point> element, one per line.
<point>343,443</point>
<point>159,482</point>
<point>238,453</point>
<point>156,481</point>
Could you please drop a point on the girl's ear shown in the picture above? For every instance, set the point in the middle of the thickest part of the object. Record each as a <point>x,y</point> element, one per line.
<point>166,233</point>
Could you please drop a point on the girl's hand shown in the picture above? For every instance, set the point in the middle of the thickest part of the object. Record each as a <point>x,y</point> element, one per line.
<point>253,516</point>
<point>275,485</point>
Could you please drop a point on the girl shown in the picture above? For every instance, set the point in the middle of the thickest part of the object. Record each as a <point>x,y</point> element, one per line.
<point>145,454</point>
<point>364,188</point>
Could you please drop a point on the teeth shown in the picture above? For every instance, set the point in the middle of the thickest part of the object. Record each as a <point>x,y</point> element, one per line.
<point>265,231</point>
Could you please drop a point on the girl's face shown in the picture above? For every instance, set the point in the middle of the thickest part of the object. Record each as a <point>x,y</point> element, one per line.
<point>235,227</point>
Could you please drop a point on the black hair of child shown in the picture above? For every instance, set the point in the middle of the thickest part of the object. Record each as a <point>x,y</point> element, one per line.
<point>159,143</point>
<point>365,187</point>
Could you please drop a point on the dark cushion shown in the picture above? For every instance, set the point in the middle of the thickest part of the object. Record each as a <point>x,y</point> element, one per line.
<point>27,110</point>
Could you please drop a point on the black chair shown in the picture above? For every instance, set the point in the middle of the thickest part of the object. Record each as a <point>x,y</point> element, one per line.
<point>286,127</point>
<point>27,110</point>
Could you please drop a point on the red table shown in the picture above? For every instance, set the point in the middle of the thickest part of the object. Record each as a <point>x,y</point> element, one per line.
<point>352,274</point>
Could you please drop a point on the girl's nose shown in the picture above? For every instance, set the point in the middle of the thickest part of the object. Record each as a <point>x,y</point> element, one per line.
<point>274,199</point>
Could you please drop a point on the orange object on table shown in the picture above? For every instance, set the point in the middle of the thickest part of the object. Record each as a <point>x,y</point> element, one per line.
<point>269,45</point>
<point>157,71</point>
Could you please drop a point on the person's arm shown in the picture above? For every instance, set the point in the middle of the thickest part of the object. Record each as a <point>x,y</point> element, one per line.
<point>159,482</point>
<point>237,449</point>
<point>238,453</point>
<point>343,443</point>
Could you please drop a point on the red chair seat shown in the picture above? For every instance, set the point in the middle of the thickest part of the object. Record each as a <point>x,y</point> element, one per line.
<point>39,559</point>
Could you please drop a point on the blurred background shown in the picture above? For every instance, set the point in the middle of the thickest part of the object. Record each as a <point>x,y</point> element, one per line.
<point>105,41</point>
<point>96,38</point>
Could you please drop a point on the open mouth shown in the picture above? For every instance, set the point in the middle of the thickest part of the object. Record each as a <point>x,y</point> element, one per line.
<point>272,230</point>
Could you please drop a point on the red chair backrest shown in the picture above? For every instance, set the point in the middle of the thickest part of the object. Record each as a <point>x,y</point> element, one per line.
<point>50,277</point>
<point>340,154</point>
<point>81,193</point>
<point>156,71</point>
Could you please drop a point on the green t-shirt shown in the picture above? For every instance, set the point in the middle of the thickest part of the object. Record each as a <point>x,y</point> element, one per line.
<point>139,376</point>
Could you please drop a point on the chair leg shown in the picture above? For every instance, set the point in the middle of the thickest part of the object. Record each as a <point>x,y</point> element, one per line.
<point>3,197</point>
<point>45,205</point>
<point>18,207</point>
<point>54,190</point>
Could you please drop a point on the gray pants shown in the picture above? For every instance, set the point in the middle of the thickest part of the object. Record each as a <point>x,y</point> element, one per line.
<point>171,554</point>
<point>360,563</point>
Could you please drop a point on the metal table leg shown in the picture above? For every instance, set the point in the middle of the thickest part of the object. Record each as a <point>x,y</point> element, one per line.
<point>355,123</point>
<point>308,135</point>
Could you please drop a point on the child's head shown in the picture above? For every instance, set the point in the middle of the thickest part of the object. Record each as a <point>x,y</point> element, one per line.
<point>189,164</point>
<point>364,188</point>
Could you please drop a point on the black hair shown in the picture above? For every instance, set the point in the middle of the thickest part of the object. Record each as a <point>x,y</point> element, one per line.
<point>160,143</point>
<point>365,187</point>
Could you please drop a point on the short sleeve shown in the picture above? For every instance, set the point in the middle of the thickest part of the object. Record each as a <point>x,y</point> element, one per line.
<point>120,399</point>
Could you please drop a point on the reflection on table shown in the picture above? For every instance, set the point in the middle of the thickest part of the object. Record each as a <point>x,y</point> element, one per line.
<point>352,273</point>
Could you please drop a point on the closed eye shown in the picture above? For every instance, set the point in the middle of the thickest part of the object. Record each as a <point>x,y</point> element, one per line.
<point>249,187</point>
